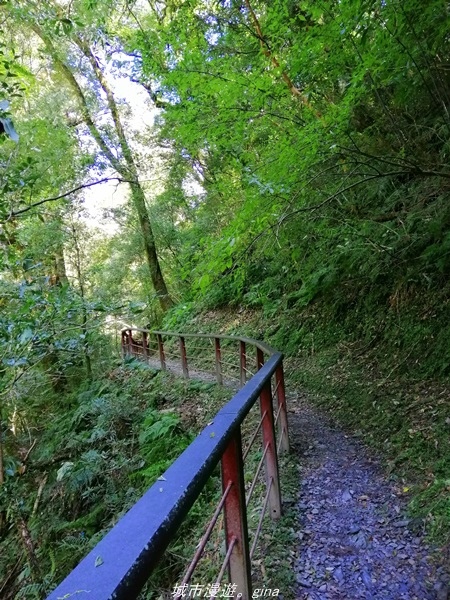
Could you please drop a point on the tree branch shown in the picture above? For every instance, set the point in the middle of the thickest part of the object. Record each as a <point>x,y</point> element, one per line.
<point>412,168</point>
<point>16,213</point>
<point>295,91</point>
<point>112,105</point>
<point>69,76</point>
<point>158,102</point>
<point>313,208</point>
<point>338,193</point>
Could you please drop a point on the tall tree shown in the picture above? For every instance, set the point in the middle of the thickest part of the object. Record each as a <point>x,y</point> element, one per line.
<point>75,48</point>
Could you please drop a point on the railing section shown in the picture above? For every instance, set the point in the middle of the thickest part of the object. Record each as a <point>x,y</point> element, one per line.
<point>119,566</point>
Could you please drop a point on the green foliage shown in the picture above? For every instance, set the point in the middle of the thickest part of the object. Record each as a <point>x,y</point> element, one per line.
<point>13,83</point>
<point>338,193</point>
<point>95,457</point>
<point>433,504</point>
<point>162,441</point>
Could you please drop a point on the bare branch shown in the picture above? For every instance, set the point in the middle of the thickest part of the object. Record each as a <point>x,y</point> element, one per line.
<point>275,226</point>
<point>398,161</point>
<point>338,193</point>
<point>16,213</point>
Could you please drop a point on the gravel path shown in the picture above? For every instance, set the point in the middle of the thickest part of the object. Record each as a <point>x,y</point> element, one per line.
<point>173,366</point>
<point>355,541</point>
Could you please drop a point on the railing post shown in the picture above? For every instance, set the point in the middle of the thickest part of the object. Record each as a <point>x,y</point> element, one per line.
<point>259,358</point>
<point>235,517</point>
<point>218,362</point>
<point>124,343</point>
<point>145,348</point>
<point>162,357</point>
<point>183,355</point>
<point>130,343</point>
<point>281,397</point>
<point>243,363</point>
<point>271,460</point>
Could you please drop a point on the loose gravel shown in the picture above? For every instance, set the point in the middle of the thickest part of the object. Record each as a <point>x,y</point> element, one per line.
<point>356,541</point>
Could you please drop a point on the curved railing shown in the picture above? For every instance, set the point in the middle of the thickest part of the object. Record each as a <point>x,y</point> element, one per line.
<point>121,563</point>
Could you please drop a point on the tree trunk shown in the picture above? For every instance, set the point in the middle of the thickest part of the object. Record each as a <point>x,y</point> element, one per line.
<point>84,316</point>
<point>60,267</point>
<point>130,172</point>
<point>28,546</point>
<point>159,284</point>
<point>125,165</point>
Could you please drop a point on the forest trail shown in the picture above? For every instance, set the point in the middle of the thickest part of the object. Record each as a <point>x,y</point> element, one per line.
<point>355,540</point>
<point>173,366</point>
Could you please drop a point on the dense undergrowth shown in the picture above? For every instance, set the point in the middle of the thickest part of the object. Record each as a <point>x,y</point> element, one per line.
<point>87,462</point>
<point>93,457</point>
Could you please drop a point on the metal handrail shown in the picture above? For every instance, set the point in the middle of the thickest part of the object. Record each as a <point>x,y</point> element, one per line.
<point>250,341</point>
<point>121,563</point>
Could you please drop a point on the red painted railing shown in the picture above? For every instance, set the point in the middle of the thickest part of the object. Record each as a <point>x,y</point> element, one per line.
<point>132,548</point>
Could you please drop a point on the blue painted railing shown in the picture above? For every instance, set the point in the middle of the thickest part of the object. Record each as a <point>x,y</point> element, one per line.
<point>121,563</point>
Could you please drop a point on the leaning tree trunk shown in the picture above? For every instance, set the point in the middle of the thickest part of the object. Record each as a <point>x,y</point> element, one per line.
<point>125,165</point>
<point>130,172</point>
<point>84,313</point>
